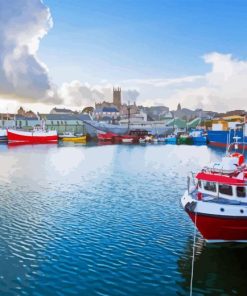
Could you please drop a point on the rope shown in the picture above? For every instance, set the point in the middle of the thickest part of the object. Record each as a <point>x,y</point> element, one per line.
<point>193,257</point>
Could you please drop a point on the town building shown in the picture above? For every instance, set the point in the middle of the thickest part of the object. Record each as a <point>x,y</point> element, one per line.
<point>117,100</point>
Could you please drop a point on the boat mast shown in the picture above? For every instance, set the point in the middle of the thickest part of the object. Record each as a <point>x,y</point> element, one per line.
<point>128,108</point>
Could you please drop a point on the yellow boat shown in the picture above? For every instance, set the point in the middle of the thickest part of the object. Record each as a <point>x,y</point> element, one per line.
<point>75,139</point>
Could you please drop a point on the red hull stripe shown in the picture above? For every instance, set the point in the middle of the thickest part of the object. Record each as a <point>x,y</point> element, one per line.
<point>218,178</point>
<point>220,227</point>
<point>12,137</point>
<point>218,144</point>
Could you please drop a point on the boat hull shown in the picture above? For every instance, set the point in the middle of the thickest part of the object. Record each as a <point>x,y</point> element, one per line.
<point>171,140</point>
<point>199,140</point>
<point>75,139</point>
<point>185,141</point>
<point>221,138</point>
<point>220,228</point>
<point>32,137</point>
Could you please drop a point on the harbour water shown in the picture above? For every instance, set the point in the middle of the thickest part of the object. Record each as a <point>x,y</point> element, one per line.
<point>106,220</point>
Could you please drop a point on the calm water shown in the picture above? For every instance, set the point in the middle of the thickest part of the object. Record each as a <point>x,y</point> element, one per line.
<point>106,220</point>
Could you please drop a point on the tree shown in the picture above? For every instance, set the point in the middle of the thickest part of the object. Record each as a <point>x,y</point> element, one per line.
<point>88,110</point>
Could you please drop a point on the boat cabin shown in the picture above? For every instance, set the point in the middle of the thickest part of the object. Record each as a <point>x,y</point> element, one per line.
<point>227,179</point>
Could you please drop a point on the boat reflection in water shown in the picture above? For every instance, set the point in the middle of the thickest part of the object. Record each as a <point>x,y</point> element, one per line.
<point>21,144</point>
<point>218,269</point>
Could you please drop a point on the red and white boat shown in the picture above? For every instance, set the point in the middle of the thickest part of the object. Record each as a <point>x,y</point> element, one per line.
<point>217,200</point>
<point>35,136</point>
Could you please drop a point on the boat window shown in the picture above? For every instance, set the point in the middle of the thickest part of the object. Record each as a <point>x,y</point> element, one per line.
<point>210,186</point>
<point>200,183</point>
<point>225,189</point>
<point>241,192</point>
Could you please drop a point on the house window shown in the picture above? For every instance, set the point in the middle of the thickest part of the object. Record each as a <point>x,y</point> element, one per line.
<point>52,122</point>
<point>225,189</point>
<point>241,192</point>
<point>57,122</point>
<point>210,186</point>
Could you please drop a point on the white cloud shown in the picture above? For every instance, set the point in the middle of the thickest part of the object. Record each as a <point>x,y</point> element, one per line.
<point>22,76</point>
<point>223,88</point>
<point>77,94</point>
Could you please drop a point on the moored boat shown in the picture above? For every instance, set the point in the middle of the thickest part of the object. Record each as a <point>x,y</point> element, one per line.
<point>171,139</point>
<point>106,136</point>
<point>198,137</point>
<point>34,136</point>
<point>217,203</point>
<point>185,139</point>
<point>75,139</point>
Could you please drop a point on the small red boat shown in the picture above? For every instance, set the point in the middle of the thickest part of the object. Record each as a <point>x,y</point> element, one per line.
<point>217,200</point>
<point>106,136</point>
<point>36,136</point>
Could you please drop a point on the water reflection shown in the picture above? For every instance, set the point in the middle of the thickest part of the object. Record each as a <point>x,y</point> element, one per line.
<point>219,269</point>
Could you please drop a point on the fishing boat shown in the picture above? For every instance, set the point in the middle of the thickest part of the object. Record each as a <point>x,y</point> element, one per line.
<point>75,139</point>
<point>185,139</point>
<point>106,136</point>
<point>198,137</point>
<point>3,135</point>
<point>216,200</point>
<point>37,135</point>
<point>171,139</point>
<point>221,138</point>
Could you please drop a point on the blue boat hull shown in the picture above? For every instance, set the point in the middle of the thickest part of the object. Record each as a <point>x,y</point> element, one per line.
<point>171,140</point>
<point>199,140</point>
<point>221,138</point>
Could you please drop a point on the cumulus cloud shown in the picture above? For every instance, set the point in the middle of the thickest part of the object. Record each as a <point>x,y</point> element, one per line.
<point>223,88</point>
<point>22,25</point>
<point>78,94</point>
<point>23,77</point>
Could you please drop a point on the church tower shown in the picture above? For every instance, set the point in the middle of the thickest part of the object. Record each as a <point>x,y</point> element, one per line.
<point>117,97</point>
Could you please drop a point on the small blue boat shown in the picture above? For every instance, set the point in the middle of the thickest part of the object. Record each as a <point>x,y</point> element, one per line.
<point>198,137</point>
<point>172,139</point>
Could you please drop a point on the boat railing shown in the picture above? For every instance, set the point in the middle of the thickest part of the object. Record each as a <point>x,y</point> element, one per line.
<point>236,146</point>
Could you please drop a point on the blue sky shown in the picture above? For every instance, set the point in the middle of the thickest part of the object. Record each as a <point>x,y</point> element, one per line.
<point>161,52</point>
<point>129,39</point>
